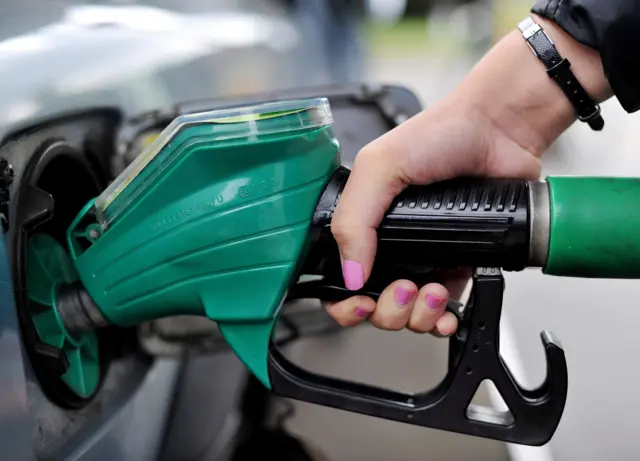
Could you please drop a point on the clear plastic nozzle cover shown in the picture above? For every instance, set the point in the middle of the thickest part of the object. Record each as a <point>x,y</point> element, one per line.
<point>248,122</point>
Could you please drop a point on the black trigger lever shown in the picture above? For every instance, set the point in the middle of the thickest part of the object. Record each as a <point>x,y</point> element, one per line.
<point>334,291</point>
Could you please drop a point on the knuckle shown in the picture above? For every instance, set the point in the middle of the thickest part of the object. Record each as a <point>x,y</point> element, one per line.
<point>365,155</point>
<point>370,158</point>
<point>420,326</point>
<point>389,323</point>
<point>342,320</point>
<point>337,314</point>
<point>372,152</point>
<point>341,231</point>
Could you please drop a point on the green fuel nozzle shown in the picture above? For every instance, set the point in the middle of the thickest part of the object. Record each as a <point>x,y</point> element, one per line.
<point>225,211</point>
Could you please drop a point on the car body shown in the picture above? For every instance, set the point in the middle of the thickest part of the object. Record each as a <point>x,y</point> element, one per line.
<point>71,66</point>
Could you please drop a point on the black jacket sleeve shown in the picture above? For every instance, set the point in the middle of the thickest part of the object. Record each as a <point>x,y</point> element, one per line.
<point>613,28</point>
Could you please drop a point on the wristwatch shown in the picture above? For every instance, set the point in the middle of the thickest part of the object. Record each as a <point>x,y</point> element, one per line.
<point>559,69</point>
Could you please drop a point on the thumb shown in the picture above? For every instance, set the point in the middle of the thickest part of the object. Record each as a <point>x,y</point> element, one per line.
<point>374,182</point>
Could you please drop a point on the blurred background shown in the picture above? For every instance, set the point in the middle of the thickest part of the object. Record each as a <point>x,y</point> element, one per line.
<point>429,45</point>
<point>59,56</point>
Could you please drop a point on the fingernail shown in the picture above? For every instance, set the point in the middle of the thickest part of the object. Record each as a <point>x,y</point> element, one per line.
<point>403,296</point>
<point>433,301</point>
<point>353,275</point>
<point>362,313</point>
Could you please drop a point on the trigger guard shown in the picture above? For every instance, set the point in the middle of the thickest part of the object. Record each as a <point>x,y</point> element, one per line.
<point>473,357</point>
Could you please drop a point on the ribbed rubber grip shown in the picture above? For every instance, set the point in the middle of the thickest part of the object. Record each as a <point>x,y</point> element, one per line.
<point>458,223</point>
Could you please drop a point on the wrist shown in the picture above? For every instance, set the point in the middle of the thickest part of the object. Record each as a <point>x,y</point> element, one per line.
<point>586,63</point>
<point>511,88</point>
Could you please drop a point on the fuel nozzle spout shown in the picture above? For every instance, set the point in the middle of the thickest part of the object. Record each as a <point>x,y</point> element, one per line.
<point>77,310</point>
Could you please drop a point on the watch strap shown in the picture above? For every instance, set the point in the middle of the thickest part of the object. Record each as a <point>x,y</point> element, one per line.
<point>559,69</point>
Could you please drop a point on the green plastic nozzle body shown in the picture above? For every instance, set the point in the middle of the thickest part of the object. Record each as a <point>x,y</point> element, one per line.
<point>218,231</point>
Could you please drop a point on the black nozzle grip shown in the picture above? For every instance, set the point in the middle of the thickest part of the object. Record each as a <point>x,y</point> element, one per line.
<point>468,222</point>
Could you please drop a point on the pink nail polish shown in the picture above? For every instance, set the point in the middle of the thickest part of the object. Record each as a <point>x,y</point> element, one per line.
<point>434,302</point>
<point>353,275</point>
<point>403,296</point>
<point>362,313</point>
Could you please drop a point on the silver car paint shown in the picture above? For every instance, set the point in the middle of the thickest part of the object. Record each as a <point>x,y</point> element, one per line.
<point>59,57</point>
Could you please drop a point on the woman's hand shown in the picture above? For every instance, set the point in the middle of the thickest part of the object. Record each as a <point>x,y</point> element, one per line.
<point>497,123</point>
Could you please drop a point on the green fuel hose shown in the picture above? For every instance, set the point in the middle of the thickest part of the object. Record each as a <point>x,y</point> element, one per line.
<point>594,227</point>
